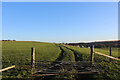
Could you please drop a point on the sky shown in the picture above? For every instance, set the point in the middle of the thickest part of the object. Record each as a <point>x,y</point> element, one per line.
<point>60,21</point>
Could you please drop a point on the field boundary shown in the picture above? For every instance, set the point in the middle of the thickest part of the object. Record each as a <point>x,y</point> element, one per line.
<point>106,55</point>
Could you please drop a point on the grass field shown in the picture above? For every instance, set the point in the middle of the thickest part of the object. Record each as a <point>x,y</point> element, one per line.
<point>19,53</point>
<point>68,54</point>
<point>109,70</point>
<point>107,51</point>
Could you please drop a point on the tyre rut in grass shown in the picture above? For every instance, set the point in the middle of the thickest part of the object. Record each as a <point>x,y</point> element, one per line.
<point>65,55</point>
<point>79,57</point>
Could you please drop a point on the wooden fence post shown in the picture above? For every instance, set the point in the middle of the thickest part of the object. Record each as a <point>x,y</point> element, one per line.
<point>118,52</point>
<point>110,53</point>
<point>92,54</point>
<point>32,59</point>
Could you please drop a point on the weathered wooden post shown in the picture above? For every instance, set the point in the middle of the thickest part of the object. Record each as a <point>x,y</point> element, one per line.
<point>32,59</point>
<point>118,52</point>
<point>92,54</point>
<point>110,53</point>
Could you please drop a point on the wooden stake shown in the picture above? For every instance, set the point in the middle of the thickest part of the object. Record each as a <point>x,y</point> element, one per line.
<point>33,58</point>
<point>110,53</point>
<point>92,54</point>
<point>118,52</point>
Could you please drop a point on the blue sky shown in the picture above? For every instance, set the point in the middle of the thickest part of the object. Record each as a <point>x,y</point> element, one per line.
<point>60,22</point>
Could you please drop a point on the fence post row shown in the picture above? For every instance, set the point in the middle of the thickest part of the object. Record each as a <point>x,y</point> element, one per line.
<point>32,58</point>
<point>92,54</point>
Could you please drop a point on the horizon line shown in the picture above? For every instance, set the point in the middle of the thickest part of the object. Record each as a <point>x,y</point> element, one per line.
<point>63,42</point>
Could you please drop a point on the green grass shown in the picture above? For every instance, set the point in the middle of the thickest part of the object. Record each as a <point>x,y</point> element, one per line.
<point>109,70</point>
<point>19,53</point>
<point>107,51</point>
<point>16,52</point>
<point>68,55</point>
<point>82,53</point>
